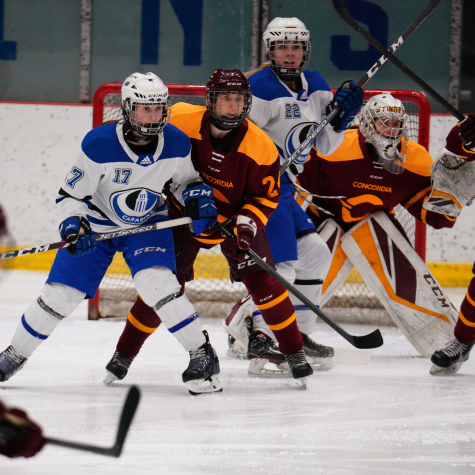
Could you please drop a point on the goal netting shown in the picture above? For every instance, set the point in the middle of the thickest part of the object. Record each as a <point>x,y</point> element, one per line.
<point>211,291</point>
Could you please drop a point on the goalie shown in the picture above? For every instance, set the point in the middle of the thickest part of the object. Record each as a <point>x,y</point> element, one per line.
<point>375,169</point>
<point>453,176</point>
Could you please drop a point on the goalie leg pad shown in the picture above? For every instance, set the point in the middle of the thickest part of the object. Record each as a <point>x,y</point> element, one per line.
<point>178,314</point>
<point>340,265</point>
<point>56,302</point>
<point>402,282</point>
<point>235,324</point>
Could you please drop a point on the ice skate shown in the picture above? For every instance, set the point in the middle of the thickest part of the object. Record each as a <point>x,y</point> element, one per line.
<point>201,376</point>
<point>450,358</point>
<point>319,356</point>
<point>262,350</point>
<point>10,363</point>
<point>117,368</point>
<point>299,367</point>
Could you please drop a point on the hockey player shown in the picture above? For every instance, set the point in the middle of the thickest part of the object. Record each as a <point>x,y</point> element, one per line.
<point>453,177</point>
<point>375,169</point>
<point>288,103</point>
<point>241,163</point>
<point>19,435</point>
<point>117,183</point>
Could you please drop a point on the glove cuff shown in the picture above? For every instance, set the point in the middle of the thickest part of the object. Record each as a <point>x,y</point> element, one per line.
<point>243,220</point>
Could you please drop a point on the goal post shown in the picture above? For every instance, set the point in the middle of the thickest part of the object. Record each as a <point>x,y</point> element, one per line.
<point>211,291</point>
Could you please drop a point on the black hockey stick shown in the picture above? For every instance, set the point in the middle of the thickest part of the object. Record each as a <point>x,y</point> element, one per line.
<point>367,76</point>
<point>340,7</point>
<point>372,340</point>
<point>98,237</point>
<point>128,411</point>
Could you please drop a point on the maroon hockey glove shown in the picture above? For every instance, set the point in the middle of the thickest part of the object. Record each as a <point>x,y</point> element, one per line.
<point>3,222</point>
<point>19,436</point>
<point>461,139</point>
<point>246,229</point>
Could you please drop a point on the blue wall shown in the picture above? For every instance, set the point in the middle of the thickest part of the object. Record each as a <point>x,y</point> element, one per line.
<point>183,41</point>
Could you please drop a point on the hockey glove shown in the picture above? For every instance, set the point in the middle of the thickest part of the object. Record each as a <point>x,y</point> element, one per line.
<point>245,230</point>
<point>19,436</point>
<point>349,97</point>
<point>76,230</point>
<point>461,139</point>
<point>200,207</point>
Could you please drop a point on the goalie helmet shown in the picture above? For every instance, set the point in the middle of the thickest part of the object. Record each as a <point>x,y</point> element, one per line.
<point>288,47</point>
<point>145,91</point>
<point>383,123</point>
<point>228,98</point>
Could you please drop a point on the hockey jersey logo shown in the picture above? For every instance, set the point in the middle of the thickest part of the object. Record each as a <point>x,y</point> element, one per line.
<point>145,160</point>
<point>134,206</point>
<point>296,136</point>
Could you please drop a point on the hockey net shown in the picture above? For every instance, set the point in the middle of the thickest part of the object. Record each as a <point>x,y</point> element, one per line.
<point>211,291</point>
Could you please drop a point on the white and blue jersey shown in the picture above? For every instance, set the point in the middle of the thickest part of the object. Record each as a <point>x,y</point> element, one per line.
<point>289,117</point>
<point>116,189</point>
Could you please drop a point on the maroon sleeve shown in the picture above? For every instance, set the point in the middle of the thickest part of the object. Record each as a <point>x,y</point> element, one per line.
<point>414,205</point>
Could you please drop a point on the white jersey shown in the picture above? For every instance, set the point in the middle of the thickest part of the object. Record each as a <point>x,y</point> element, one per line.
<point>288,117</point>
<point>116,189</point>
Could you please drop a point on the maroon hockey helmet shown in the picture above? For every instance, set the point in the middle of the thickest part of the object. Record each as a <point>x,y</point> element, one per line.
<point>234,93</point>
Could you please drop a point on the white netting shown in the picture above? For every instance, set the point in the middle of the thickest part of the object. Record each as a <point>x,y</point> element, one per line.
<point>211,291</point>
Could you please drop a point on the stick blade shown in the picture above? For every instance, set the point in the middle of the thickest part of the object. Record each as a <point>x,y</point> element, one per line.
<point>128,412</point>
<point>372,340</point>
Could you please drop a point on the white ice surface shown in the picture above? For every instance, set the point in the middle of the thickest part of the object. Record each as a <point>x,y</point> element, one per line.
<point>387,417</point>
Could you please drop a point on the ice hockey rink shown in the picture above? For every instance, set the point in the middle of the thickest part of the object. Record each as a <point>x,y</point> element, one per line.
<point>389,416</point>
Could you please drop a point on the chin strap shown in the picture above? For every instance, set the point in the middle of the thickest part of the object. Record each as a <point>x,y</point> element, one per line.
<point>131,137</point>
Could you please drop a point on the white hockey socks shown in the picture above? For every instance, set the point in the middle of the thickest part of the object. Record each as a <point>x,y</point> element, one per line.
<point>55,302</point>
<point>159,288</point>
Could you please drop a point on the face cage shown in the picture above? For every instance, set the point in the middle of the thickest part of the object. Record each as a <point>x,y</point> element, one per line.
<point>155,128</point>
<point>390,150</point>
<point>224,122</point>
<point>286,73</point>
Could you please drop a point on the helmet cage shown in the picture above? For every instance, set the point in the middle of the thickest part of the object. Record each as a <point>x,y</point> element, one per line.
<point>282,70</point>
<point>227,85</point>
<point>377,128</point>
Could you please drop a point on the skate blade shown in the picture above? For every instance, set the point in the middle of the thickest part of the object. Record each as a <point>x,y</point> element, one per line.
<point>257,369</point>
<point>438,371</point>
<point>110,378</point>
<point>300,383</point>
<point>198,387</point>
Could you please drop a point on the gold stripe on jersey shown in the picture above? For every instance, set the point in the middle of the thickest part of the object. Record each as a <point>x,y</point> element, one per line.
<point>217,194</point>
<point>348,150</point>
<point>273,302</point>
<point>257,212</point>
<point>265,202</point>
<point>417,197</point>
<point>258,145</point>
<point>188,118</point>
<point>418,160</point>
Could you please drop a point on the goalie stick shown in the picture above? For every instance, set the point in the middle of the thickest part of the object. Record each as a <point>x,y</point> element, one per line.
<point>340,7</point>
<point>372,340</point>
<point>128,411</point>
<point>367,76</point>
<point>98,237</point>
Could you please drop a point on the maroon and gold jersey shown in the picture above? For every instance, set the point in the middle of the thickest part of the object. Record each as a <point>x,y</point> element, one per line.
<point>350,172</point>
<point>245,180</point>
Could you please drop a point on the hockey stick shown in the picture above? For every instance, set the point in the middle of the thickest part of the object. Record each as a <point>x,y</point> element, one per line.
<point>128,411</point>
<point>367,76</point>
<point>372,340</point>
<point>340,7</point>
<point>98,237</point>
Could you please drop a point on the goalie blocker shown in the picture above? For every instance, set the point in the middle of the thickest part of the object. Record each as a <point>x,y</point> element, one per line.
<point>395,274</point>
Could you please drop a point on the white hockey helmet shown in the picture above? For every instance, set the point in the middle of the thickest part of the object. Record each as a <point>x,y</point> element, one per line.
<point>383,123</point>
<point>287,31</point>
<point>145,90</point>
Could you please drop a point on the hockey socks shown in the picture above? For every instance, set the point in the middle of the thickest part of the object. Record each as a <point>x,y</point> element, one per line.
<point>312,289</point>
<point>272,300</point>
<point>465,327</point>
<point>142,321</point>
